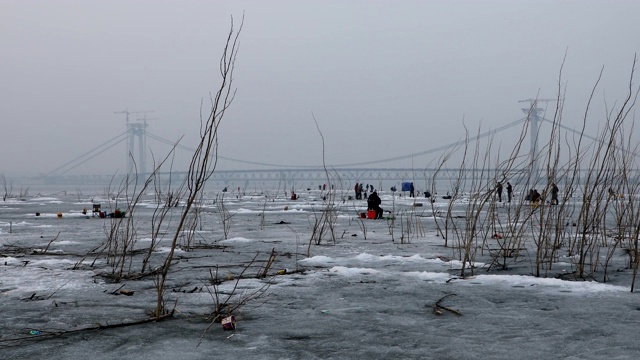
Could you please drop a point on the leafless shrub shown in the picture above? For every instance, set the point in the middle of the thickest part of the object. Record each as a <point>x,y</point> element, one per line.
<point>7,187</point>
<point>225,217</point>
<point>204,160</point>
<point>324,223</point>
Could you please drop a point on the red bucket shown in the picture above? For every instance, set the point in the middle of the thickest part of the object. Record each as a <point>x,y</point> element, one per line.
<point>229,323</point>
<point>371,214</point>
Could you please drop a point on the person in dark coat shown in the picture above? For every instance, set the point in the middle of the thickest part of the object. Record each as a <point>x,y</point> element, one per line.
<point>499,191</point>
<point>374,204</point>
<point>535,197</point>
<point>357,190</point>
<point>412,191</point>
<point>509,191</point>
<point>554,194</point>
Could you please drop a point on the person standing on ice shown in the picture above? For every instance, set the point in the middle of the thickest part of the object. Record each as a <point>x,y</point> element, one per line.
<point>554,194</point>
<point>509,191</point>
<point>499,191</point>
<point>357,190</point>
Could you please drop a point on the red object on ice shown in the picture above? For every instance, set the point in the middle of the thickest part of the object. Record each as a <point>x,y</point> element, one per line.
<point>229,323</point>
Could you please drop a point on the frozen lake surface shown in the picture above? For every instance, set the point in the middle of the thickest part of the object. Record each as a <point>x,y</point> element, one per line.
<point>348,298</point>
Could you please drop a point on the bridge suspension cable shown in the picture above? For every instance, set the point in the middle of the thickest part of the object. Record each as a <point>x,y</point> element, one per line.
<point>402,157</point>
<point>634,153</point>
<point>440,148</point>
<point>182,147</point>
<point>89,155</point>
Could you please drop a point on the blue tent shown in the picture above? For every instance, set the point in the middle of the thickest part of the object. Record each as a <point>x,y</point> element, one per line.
<point>406,186</point>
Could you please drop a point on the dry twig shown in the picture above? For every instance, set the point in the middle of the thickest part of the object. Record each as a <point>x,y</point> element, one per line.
<point>438,309</point>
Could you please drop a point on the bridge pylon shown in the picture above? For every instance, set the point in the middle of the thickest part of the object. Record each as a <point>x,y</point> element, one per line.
<point>533,115</point>
<point>136,131</point>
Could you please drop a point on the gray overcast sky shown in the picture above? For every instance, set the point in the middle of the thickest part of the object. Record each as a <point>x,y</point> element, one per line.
<point>383,78</point>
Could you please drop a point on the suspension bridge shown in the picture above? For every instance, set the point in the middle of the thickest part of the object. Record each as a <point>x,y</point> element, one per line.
<point>137,132</point>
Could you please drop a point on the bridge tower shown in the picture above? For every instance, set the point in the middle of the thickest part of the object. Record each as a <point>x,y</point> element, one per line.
<point>136,131</point>
<point>533,114</point>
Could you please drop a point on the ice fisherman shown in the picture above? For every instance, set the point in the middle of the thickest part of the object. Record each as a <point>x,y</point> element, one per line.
<point>535,197</point>
<point>509,191</point>
<point>499,191</point>
<point>374,204</point>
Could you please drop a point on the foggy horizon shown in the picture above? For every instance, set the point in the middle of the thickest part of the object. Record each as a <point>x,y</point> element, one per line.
<point>382,79</point>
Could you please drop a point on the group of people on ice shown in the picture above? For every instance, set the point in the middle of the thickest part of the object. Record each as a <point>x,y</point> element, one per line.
<point>534,197</point>
<point>361,190</point>
<point>373,200</point>
<point>509,191</point>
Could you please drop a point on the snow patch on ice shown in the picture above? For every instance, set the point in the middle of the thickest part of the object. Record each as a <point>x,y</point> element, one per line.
<point>236,240</point>
<point>347,271</point>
